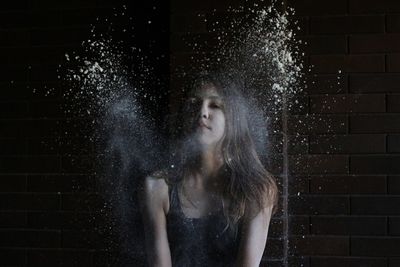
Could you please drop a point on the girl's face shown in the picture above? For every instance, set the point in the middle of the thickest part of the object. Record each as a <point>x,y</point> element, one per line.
<point>208,114</point>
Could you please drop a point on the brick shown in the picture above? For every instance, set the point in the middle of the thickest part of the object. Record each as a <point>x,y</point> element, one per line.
<point>315,245</point>
<point>393,103</point>
<point>298,184</point>
<point>374,83</point>
<point>384,164</point>
<point>77,164</point>
<point>62,145</point>
<point>329,44</point>
<point>40,4</point>
<point>394,226</point>
<point>347,63</point>
<point>40,128</point>
<point>335,184</point>
<point>315,205</point>
<point>12,219</point>
<point>275,228</point>
<point>23,90</point>
<point>347,24</point>
<point>393,262</point>
<point>42,147</point>
<point>348,144</point>
<point>348,225</point>
<point>13,256</point>
<point>394,184</point>
<point>81,202</point>
<point>348,262</point>
<point>41,73</point>
<point>374,43</point>
<point>375,205</point>
<point>12,183</point>
<point>21,128</point>
<point>64,257</point>
<point>185,7</point>
<point>297,261</point>
<point>13,74</point>
<point>375,246</point>
<point>185,23</point>
<point>181,63</point>
<point>46,109</point>
<point>299,225</point>
<point>371,6</point>
<point>47,55</point>
<point>26,201</point>
<point>296,144</point>
<point>12,146</point>
<point>41,19</point>
<point>393,143</point>
<point>86,16</point>
<point>82,239</point>
<point>74,129</point>
<point>382,123</point>
<point>392,23</point>
<point>298,105</point>
<point>393,63</point>
<point>274,248</point>
<point>315,124</point>
<point>302,23</point>
<point>53,37</point>
<point>347,103</point>
<point>29,238</point>
<point>23,164</point>
<point>13,110</point>
<point>20,5</point>
<point>326,84</point>
<point>14,56</point>
<point>229,23</point>
<point>193,43</point>
<point>313,7</point>
<point>275,165</point>
<point>60,220</point>
<point>60,183</point>
<point>14,38</point>
<point>316,164</point>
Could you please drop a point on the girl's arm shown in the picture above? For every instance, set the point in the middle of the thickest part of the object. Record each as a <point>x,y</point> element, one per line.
<point>253,238</point>
<point>154,204</point>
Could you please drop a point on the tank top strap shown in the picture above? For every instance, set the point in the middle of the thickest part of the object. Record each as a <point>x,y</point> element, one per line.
<point>174,204</point>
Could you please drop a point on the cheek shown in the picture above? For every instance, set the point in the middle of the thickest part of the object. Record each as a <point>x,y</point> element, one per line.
<point>220,121</point>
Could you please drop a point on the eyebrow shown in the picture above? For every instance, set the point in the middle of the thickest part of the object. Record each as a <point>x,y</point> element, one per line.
<point>213,97</point>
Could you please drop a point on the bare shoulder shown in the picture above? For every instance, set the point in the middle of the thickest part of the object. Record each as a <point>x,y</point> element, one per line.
<point>155,192</point>
<point>155,185</point>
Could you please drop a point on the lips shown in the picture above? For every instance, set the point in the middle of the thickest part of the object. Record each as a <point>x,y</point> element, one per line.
<point>204,125</point>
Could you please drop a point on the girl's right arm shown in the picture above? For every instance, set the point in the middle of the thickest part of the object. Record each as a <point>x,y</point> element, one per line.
<point>155,204</point>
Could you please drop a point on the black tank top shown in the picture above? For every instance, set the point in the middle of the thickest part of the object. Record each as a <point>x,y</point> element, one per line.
<point>198,242</point>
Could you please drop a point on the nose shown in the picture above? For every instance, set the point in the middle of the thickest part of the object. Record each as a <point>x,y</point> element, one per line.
<point>204,112</point>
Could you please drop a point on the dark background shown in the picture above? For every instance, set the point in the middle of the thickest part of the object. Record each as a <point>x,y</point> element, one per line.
<point>344,179</point>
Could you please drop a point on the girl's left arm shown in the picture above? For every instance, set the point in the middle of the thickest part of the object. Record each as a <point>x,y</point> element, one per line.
<point>253,238</point>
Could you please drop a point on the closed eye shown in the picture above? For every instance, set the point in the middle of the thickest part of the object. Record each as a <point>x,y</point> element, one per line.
<point>216,105</point>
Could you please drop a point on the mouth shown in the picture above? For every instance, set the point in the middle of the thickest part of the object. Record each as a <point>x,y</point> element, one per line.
<point>203,125</point>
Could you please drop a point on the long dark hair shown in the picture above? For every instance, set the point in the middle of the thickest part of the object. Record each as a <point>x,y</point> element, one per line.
<point>248,185</point>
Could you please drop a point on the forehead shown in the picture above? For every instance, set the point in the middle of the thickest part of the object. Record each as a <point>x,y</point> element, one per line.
<point>207,90</point>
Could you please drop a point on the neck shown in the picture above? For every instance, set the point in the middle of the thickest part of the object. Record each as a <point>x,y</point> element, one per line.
<point>207,167</point>
<point>210,162</point>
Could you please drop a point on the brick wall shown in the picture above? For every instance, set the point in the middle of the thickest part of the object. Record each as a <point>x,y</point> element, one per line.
<point>344,181</point>
<point>48,194</point>
<point>348,203</point>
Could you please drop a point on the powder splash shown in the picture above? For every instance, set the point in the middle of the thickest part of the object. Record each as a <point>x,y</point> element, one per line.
<point>258,44</point>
